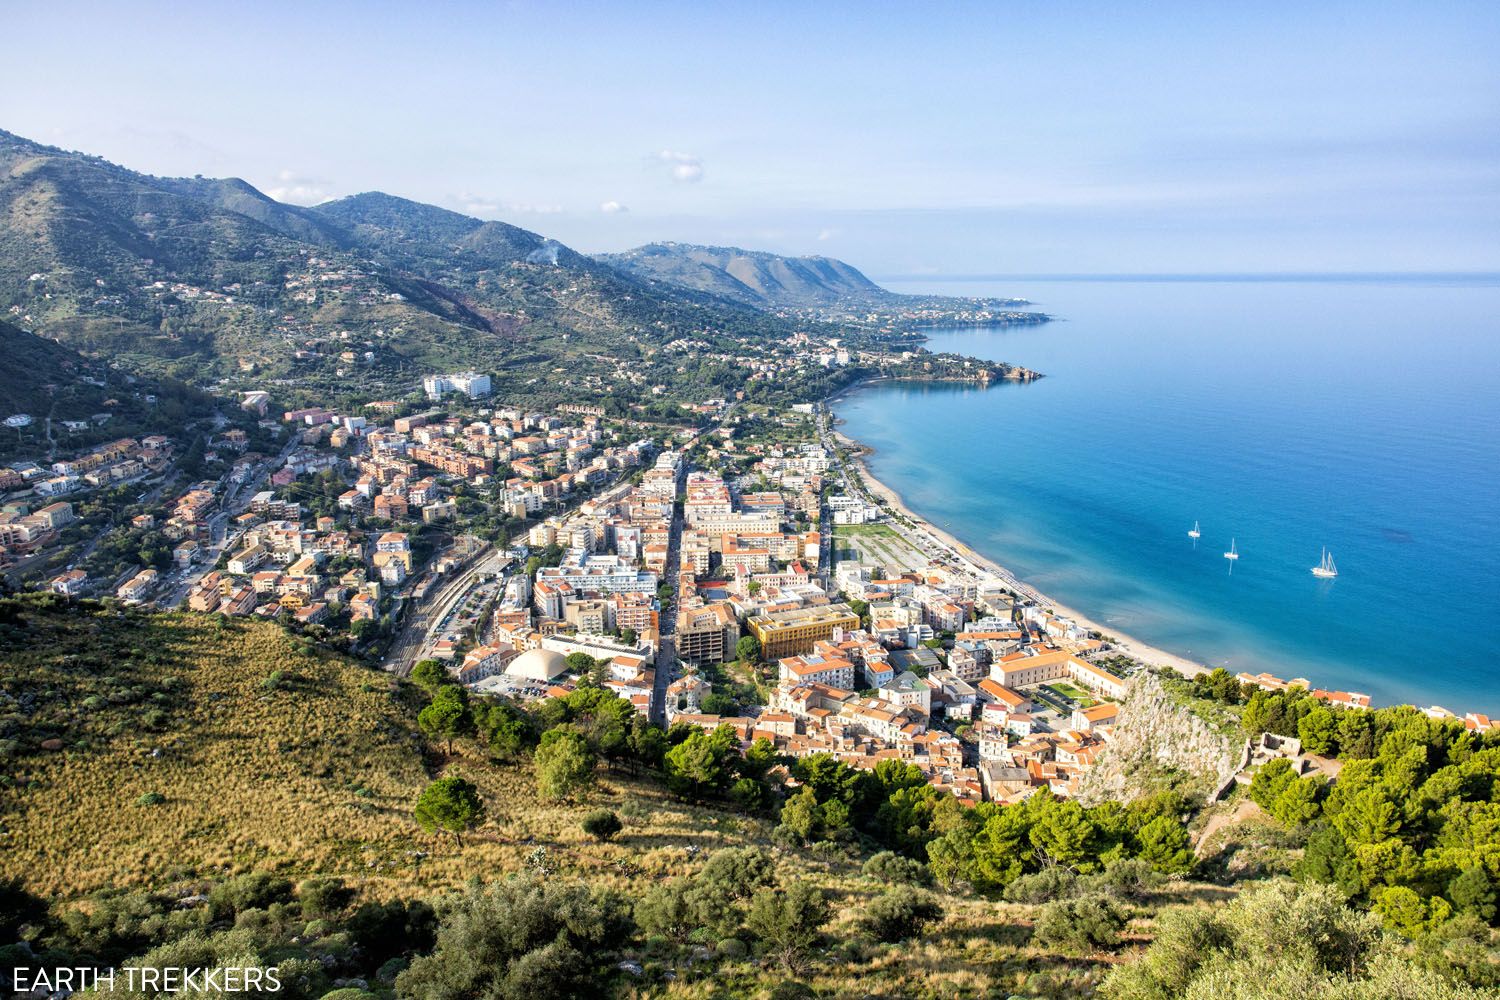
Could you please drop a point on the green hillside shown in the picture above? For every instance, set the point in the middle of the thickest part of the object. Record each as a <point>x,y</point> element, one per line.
<point>203,277</point>
<point>185,790</point>
<point>44,380</point>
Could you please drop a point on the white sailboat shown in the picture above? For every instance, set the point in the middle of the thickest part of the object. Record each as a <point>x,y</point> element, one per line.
<point>1233,553</point>
<point>1326,570</point>
<point>1195,534</point>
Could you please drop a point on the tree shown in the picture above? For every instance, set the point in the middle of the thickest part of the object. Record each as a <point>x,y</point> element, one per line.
<point>602,825</point>
<point>429,675</point>
<point>737,872</point>
<point>898,914</point>
<point>520,939</point>
<point>747,649</point>
<point>447,717</point>
<point>790,922</point>
<point>1270,779</point>
<point>667,909</point>
<point>451,804</point>
<point>1319,731</point>
<point>1472,892</point>
<point>802,815</point>
<point>580,663</point>
<point>564,763</point>
<point>627,636</point>
<point>1298,802</point>
<point>1164,844</point>
<point>699,766</point>
<point>1327,859</point>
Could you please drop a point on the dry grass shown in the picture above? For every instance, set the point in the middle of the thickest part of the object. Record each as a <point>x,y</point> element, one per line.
<point>317,775</point>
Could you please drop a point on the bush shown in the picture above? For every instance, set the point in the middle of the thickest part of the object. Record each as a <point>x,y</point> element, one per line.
<point>151,799</point>
<point>732,948</point>
<point>888,866</point>
<point>1129,878</point>
<point>1086,924</point>
<point>602,825</point>
<point>1043,887</point>
<point>898,914</point>
<point>258,890</point>
<point>324,897</point>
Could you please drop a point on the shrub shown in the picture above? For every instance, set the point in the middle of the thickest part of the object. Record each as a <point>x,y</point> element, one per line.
<point>888,866</point>
<point>1086,924</point>
<point>151,799</point>
<point>1129,878</point>
<point>1043,887</point>
<point>258,890</point>
<point>602,825</point>
<point>732,948</point>
<point>324,897</point>
<point>898,914</point>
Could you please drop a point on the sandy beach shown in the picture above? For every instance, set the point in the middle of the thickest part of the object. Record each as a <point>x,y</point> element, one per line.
<point>1126,644</point>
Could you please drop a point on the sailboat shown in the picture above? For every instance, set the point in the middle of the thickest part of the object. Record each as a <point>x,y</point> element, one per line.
<point>1232,554</point>
<point>1326,570</point>
<point>1195,534</point>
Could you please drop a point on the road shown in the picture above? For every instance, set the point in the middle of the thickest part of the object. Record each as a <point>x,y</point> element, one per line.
<point>666,653</point>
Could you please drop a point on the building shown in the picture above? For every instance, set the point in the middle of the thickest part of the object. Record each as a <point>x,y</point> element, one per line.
<point>538,665</point>
<point>707,634</point>
<point>909,691</point>
<point>788,633</point>
<point>471,384</point>
<point>70,584</point>
<point>834,672</point>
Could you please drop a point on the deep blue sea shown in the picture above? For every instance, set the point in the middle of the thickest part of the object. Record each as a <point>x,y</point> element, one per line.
<point>1363,415</point>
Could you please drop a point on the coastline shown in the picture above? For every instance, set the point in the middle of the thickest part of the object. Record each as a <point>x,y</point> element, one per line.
<point>1126,644</point>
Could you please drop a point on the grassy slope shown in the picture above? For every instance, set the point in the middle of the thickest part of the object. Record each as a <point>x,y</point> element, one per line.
<point>317,774</point>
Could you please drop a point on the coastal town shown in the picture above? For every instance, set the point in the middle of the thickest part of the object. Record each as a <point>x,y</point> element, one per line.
<point>743,572</point>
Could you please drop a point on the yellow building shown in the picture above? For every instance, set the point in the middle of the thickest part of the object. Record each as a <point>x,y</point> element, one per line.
<point>790,633</point>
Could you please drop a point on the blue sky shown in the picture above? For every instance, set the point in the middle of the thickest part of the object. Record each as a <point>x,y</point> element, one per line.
<point>910,139</point>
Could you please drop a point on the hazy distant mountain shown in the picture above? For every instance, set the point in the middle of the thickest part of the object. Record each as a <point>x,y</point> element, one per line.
<point>751,277</point>
<point>212,276</point>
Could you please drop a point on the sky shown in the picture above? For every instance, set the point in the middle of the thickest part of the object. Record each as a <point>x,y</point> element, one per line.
<point>927,139</point>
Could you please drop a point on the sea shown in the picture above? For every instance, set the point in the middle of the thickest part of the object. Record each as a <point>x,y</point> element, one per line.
<point>1285,416</point>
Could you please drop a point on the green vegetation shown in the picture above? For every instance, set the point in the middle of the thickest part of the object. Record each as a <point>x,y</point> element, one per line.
<point>654,874</point>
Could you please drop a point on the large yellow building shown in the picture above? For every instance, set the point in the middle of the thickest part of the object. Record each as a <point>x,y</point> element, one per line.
<point>791,633</point>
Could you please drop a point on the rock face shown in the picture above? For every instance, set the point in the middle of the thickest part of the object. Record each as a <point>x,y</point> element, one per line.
<point>1156,738</point>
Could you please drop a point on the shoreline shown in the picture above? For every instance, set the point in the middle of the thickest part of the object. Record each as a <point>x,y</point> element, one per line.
<point>1123,642</point>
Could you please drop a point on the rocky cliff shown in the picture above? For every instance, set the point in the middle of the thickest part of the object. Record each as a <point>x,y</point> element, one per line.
<point>1161,742</point>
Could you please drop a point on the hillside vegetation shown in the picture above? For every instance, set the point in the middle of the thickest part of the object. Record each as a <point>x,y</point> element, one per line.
<point>200,276</point>
<point>182,789</point>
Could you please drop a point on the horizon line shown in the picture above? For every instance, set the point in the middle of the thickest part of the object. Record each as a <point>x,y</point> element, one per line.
<point>1246,276</point>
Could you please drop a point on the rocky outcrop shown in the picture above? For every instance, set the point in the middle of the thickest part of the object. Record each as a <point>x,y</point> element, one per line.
<point>1159,741</point>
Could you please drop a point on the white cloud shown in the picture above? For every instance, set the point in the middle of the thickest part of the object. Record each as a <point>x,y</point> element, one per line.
<point>685,167</point>
<point>294,189</point>
<point>612,208</point>
<point>827,234</point>
<point>482,207</point>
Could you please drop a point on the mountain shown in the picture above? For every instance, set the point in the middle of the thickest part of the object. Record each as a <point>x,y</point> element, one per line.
<point>207,278</point>
<point>751,277</point>
<point>819,289</point>
<point>49,383</point>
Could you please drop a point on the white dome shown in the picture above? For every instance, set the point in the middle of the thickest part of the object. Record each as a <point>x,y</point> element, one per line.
<point>538,664</point>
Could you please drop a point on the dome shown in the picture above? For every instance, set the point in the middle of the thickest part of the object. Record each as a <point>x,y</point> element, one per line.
<point>538,664</point>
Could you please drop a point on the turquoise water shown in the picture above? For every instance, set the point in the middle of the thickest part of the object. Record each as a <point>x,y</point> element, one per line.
<point>1287,415</point>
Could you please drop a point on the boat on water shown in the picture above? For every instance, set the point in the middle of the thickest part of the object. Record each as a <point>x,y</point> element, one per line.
<point>1233,553</point>
<point>1195,534</point>
<point>1326,570</point>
